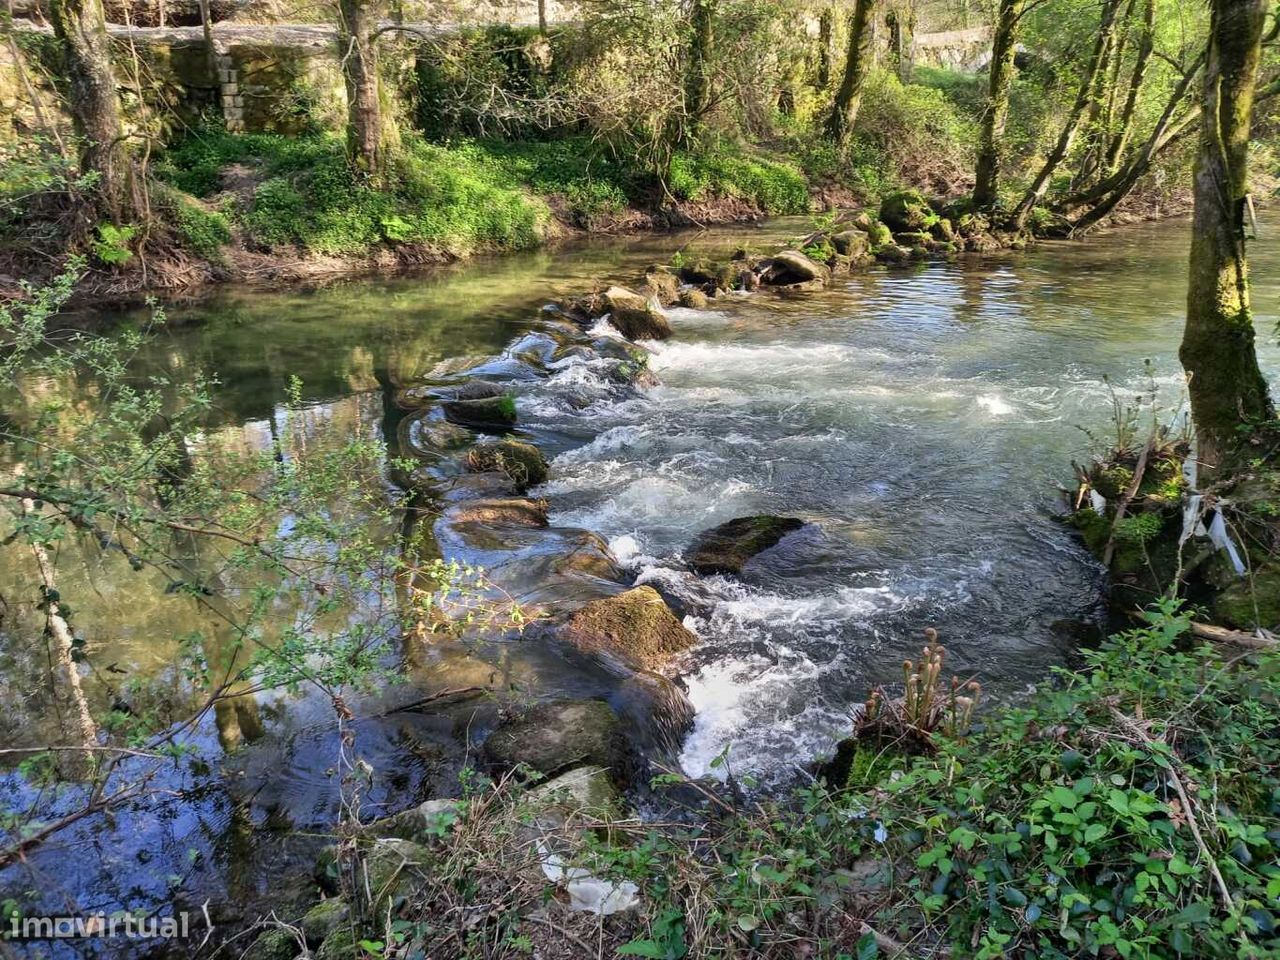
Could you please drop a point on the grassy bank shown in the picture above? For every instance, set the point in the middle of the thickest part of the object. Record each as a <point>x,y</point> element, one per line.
<point>1130,808</point>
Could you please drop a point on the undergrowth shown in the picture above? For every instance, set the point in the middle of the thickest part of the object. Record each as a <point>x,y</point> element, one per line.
<point>1130,808</point>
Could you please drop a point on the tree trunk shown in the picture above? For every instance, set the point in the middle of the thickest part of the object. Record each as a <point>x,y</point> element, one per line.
<point>825,25</point>
<point>210,51</point>
<point>1086,96</point>
<point>360,71</point>
<point>1124,129</point>
<point>697,84</point>
<point>986,184</point>
<point>1227,389</point>
<point>81,28</point>
<point>844,111</point>
<point>901,22</point>
<point>542,17</point>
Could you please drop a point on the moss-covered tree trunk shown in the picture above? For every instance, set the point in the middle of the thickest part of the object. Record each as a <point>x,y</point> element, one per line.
<point>848,99</point>
<point>697,83</point>
<point>1087,95</point>
<point>1124,126</point>
<point>365,137</point>
<point>1227,388</point>
<point>826,23</point>
<point>1004,46</point>
<point>81,28</point>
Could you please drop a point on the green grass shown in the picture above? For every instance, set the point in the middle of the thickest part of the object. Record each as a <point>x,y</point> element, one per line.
<point>460,198</point>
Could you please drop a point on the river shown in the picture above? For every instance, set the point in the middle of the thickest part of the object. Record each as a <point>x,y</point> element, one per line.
<point>919,418</point>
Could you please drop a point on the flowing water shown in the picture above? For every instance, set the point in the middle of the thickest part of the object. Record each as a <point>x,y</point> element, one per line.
<point>918,418</point>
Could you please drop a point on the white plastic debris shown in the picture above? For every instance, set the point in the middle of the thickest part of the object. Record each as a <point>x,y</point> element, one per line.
<point>1222,540</point>
<point>1098,502</point>
<point>588,893</point>
<point>1191,523</point>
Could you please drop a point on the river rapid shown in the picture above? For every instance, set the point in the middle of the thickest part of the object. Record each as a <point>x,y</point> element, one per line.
<point>919,419</point>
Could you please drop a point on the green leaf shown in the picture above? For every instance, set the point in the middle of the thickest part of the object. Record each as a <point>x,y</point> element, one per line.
<point>643,948</point>
<point>1095,832</point>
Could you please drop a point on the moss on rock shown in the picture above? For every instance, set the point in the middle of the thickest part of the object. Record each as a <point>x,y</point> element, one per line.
<point>636,627</point>
<point>727,548</point>
<point>522,462</point>
<point>907,211</point>
<point>562,734</point>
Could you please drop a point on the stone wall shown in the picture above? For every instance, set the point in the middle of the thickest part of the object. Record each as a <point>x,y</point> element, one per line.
<point>964,50</point>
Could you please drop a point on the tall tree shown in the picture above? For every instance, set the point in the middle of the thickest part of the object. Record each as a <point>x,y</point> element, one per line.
<point>697,85</point>
<point>1004,46</point>
<point>844,109</point>
<point>366,137</point>
<point>1124,127</point>
<point>81,28</point>
<point>1088,93</point>
<point>1226,386</point>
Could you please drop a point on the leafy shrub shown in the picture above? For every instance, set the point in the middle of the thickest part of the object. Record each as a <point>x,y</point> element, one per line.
<point>112,245</point>
<point>204,232</point>
<point>773,186</point>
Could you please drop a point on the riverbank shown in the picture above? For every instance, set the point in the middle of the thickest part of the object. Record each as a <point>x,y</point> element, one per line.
<point>269,210</point>
<point>1127,809</point>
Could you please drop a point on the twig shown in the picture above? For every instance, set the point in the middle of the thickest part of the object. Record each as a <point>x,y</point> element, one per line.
<point>1192,820</point>
<point>1239,638</point>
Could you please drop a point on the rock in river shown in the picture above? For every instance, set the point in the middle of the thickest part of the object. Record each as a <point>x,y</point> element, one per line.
<point>634,316</point>
<point>487,413</point>
<point>726,548</point>
<point>792,266</point>
<point>504,511</point>
<point>522,462</point>
<point>636,627</point>
<point>562,734</point>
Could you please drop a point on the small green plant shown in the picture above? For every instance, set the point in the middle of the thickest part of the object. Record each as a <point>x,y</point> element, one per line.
<point>112,246</point>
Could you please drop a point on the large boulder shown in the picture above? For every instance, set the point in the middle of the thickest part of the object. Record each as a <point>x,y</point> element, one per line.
<point>636,627</point>
<point>522,462</point>
<point>660,284</point>
<point>487,413</point>
<point>906,211</point>
<point>726,548</point>
<point>559,735</point>
<point>634,316</point>
<point>792,266</point>
<point>711,274</point>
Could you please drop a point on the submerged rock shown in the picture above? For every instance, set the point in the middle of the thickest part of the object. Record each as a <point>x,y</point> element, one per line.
<point>506,511</point>
<point>522,462</point>
<point>726,548</point>
<point>562,734</point>
<point>636,628</point>
<point>634,316</point>
<point>490,413</point>
<point>658,714</point>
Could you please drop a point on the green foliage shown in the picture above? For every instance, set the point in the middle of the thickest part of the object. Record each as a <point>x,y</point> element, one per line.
<point>204,232</point>
<point>773,186</point>
<point>458,200</point>
<point>1138,529</point>
<point>112,244</point>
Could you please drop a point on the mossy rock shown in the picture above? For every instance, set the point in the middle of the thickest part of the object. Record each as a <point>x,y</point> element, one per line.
<point>559,735</point>
<point>488,413</point>
<point>943,231</point>
<point>522,462</point>
<point>1094,529</point>
<point>323,919</point>
<point>635,627</point>
<point>339,945</point>
<point>907,211</point>
<point>588,790</point>
<point>791,267</point>
<point>913,239</point>
<point>711,274</point>
<point>853,244</point>
<point>634,316</point>
<point>274,944</point>
<point>394,865</point>
<point>503,511</point>
<point>662,285</point>
<point>893,253</point>
<point>727,548</point>
<point>878,235</point>
<point>1253,600</point>
<point>694,299</point>
<point>859,764</point>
